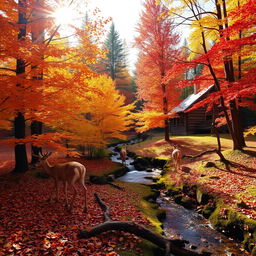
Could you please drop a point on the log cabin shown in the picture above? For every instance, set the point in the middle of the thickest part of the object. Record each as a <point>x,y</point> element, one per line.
<point>194,122</point>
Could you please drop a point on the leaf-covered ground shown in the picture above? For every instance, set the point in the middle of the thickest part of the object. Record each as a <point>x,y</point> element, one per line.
<point>237,185</point>
<point>30,225</point>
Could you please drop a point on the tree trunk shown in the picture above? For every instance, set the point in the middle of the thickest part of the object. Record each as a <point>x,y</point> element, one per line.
<point>218,88</point>
<point>166,130</point>
<point>36,129</point>
<point>237,127</point>
<point>21,162</point>
<point>165,111</point>
<point>37,37</point>
<point>239,141</point>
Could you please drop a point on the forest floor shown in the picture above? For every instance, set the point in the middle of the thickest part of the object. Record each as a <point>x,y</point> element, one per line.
<point>30,225</point>
<point>234,184</point>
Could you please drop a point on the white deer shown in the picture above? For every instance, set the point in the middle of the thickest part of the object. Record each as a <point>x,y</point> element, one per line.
<point>176,156</point>
<point>123,154</point>
<point>69,173</point>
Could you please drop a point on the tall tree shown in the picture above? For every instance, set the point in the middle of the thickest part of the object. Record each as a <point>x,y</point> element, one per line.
<point>37,35</point>
<point>157,43</point>
<point>114,63</point>
<point>21,162</point>
<point>25,94</point>
<point>215,22</point>
<point>125,86</point>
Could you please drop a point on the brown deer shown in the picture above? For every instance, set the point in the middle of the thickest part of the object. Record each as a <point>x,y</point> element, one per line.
<point>69,173</point>
<point>123,154</point>
<point>176,156</point>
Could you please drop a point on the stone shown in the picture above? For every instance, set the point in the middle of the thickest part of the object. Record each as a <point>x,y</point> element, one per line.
<point>186,169</point>
<point>209,164</point>
<point>111,177</point>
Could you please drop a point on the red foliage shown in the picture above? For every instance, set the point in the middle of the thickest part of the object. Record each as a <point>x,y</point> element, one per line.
<point>236,42</point>
<point>157,42</point>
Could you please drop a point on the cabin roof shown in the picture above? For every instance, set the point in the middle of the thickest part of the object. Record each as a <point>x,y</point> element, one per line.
<point>190,100</point>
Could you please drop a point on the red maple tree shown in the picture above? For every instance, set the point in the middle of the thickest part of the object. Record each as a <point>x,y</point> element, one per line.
<point>228,63</point>
<point>157,43</point>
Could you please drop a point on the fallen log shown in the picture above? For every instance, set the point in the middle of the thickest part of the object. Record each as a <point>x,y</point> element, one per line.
<point>170,246</point>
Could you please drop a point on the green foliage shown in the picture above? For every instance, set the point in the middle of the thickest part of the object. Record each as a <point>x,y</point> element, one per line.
<point>115,57</point>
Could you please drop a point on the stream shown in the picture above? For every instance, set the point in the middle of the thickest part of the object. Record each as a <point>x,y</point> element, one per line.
<point>181,223</point>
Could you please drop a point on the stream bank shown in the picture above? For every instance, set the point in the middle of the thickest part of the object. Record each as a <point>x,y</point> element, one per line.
<point>196,229</point>
<point>225,220</point>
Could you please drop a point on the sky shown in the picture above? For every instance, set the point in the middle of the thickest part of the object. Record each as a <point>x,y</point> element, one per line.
<point>125,15</point>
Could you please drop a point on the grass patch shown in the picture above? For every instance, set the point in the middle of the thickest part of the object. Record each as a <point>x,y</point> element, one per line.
<point>147,248</point>
<point>149,210</point>
<point>193,144</point>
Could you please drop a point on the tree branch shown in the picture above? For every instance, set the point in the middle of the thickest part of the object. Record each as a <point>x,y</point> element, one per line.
<point>8,69</point>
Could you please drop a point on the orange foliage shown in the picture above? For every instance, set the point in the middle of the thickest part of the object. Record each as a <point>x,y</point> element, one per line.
<point>57,85</point>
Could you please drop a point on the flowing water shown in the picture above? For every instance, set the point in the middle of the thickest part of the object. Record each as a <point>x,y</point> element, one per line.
<point>181,223</point>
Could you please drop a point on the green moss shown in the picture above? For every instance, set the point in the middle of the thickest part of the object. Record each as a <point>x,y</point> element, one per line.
<point>149,210</point>
<point>201,196</point>
<point>254,251</point>
<point>207,210</point>
<point>147,248</point>
<point>231,154</point>
<point>173,190</point>
<point>150,249</point>
<point>235,225</point>
<point>102,178</point>
<point>250,235</point>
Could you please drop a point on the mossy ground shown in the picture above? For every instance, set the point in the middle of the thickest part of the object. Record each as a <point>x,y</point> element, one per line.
<point>150,211</point>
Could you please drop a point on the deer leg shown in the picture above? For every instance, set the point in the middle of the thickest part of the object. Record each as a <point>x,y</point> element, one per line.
<point>74,196</point>
<point>66,192</point>
<point>57,190</point>
<point>53,190</point>
<point>85,198</point>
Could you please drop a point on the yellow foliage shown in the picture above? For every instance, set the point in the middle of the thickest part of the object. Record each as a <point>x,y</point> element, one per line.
<point>98,115</point>
<point>148,120</point>
<point>250,131</point>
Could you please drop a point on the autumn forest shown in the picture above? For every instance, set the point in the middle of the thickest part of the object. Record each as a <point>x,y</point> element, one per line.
<point>99,158</point>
